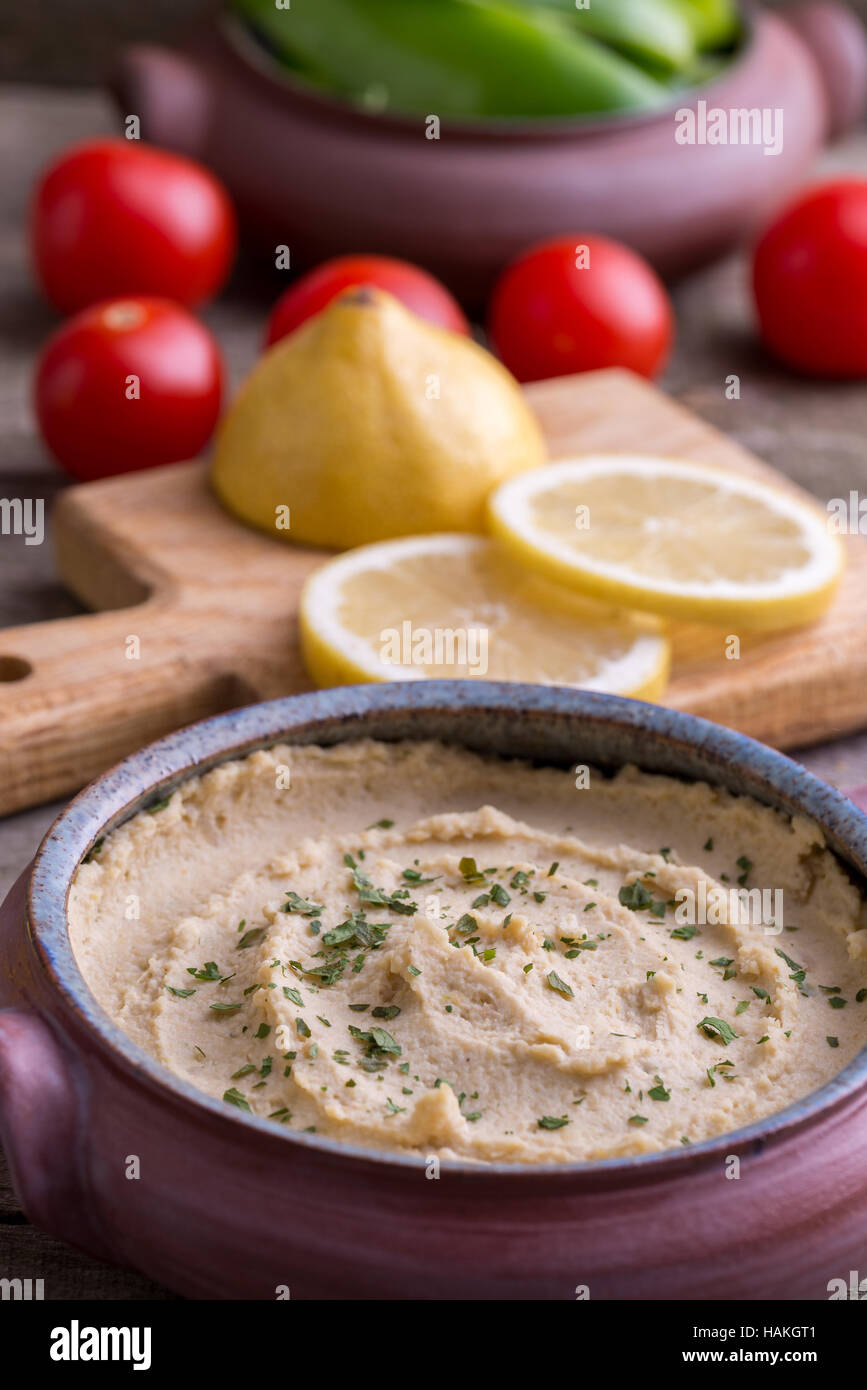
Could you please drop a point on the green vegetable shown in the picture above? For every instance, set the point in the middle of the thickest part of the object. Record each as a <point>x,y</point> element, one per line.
<point>451,58</point>
<point>714,23</point>
<point>658,34</point>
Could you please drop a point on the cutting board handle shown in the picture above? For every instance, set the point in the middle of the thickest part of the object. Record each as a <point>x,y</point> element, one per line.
<point>78,694</point>
<point>194,614</point>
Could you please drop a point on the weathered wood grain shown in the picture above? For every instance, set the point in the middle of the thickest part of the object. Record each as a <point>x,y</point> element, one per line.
<point>814,432</point>
<point>199,612</point>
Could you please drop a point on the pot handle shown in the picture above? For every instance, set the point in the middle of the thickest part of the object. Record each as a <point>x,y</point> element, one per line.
<point>859,796</point>
<point>170,94</point>
<point>837,41</point>
<point>40,1126</point>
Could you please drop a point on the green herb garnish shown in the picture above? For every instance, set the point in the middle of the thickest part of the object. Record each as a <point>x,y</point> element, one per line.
<point>717,1028</point>
<point>554,982</point>
<point>210,971</point>
<point>301,905</point>
<point>685,933</point>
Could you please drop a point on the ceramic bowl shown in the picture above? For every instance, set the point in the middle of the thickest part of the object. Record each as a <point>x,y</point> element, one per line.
<point>228,1205</point>
<point>324,178</point>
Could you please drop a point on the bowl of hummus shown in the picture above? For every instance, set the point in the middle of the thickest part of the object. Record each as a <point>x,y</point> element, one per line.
<point>448,989</point>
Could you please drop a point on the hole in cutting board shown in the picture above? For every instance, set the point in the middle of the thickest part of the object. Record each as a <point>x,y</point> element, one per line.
<point>14,668</point>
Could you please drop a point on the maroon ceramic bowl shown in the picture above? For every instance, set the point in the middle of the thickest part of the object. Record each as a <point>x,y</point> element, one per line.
<point>325,178</point>
<point>228,1205</point>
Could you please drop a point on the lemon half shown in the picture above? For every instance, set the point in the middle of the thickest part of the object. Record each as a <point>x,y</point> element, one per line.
<point>687,540</point>
<point>367,423</point>
<point>454,606</point>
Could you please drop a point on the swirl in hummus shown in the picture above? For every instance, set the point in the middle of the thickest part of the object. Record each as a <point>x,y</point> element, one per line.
<point>412,947</point>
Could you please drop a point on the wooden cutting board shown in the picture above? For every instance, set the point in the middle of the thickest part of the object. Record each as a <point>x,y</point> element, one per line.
<point>196,613</point>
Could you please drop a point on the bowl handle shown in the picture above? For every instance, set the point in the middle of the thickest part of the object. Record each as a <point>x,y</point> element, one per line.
<point>859,796</point>
<point>837,41</point>
<point>41,1109</point>
<point>169,92</point>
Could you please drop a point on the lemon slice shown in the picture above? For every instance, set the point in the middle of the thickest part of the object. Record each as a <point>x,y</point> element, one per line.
<point>454,606</point>
<point>683,539</point>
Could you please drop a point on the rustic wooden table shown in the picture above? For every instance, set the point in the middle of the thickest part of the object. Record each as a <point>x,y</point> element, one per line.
<point>815,433</point>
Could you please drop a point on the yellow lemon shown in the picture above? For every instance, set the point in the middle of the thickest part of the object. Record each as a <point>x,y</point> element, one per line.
<point>682,539</point>
<point>368,423</point>
<point>454,606</point>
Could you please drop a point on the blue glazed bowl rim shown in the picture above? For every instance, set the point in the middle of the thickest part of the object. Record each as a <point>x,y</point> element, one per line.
<point>157,769</point>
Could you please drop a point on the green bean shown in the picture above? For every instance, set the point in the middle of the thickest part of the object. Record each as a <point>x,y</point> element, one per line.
<point>655,33</point>
<point>714,23</point>
<point>455,58</point>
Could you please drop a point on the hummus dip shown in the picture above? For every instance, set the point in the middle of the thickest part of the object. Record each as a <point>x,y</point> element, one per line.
<point>412,947</point>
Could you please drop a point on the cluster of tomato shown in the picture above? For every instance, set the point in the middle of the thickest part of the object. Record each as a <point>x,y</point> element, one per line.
<point>128,239</point>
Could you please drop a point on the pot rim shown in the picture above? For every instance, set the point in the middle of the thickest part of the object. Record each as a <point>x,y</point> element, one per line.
<point>255,56</point>
<point>157,769</point>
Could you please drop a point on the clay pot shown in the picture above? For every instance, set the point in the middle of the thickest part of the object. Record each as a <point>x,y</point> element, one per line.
<point>324,178</point>
<point>228,1205</point>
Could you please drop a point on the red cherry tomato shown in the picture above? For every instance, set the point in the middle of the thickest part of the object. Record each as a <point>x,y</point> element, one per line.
<point>419,291</point>
<point>577,303</point>
<point>128,384</point>
<point>810,281</point>
<point>114,217</point>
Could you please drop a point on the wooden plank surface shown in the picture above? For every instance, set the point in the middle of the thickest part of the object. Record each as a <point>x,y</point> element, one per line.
<point>787,689</point>
<point>202,611</point>
<point>812,431</point>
